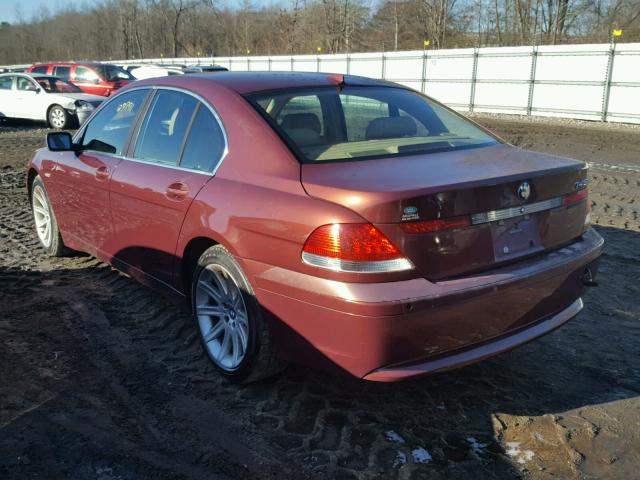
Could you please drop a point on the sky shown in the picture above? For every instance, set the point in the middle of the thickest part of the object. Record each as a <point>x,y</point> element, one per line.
<point>12,10</point>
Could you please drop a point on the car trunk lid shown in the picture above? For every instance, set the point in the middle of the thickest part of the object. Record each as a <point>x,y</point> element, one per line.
<point>473,192</point>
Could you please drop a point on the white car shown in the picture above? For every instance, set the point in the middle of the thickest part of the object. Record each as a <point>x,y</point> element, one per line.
<point>152,71</point>
<point>44,97</point>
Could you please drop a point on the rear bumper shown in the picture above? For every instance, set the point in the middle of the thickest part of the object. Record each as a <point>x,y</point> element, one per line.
<point>397,330</point>
<point>477,353</point>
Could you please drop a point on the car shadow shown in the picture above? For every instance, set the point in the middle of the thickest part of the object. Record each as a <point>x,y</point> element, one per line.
<point>134,387</point>
<point>14,123</point>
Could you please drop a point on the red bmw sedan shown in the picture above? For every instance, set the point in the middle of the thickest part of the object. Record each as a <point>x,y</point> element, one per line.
<point>327,220</point>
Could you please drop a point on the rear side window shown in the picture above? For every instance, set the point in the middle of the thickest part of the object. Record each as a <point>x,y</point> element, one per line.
<point>6,83</point>
<point>62,72</point>
<point>40,69</point>
<point>165,126</point>
<point>360,123</point>
<point>205,144</point>
<point>109,129</point>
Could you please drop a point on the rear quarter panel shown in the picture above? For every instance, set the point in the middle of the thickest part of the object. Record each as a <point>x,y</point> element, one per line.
<point>255,205</point>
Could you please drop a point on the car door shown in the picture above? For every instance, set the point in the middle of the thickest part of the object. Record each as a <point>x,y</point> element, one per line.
<point>88,80</point>
<point>7,96</point>
<point>31,98</point>
<point>151,192</point>
<point>82,178</point>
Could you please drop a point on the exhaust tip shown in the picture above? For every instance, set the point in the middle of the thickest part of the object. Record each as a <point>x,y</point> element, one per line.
<point>587,278</point>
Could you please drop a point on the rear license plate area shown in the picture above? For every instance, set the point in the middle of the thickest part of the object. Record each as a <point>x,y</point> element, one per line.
<point>515,237</point>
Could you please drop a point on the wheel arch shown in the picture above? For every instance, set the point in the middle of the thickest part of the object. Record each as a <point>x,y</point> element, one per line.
<point>54,104</point>
<point>31,176</point>
<point>193,250</point>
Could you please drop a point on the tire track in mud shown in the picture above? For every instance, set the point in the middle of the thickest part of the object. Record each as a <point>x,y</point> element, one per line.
<point>131,394</point>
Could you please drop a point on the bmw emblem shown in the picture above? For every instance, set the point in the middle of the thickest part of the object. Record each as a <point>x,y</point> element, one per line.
<point>524,190</point>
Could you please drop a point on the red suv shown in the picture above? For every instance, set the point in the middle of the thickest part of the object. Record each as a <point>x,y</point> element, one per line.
<point>90,77</point>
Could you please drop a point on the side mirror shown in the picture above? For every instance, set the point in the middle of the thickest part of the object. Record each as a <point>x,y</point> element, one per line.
<point>60,142</point>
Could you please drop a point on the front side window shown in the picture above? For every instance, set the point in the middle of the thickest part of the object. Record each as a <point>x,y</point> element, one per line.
<point>112,73</point>
<point>25,84</point>
<point>40,69</point>
<point>109,129</point>
<point>358,123</point>
<point>84,74</point>
<point>205,143</point>
<point>62,72</point>
<point>164,128</point>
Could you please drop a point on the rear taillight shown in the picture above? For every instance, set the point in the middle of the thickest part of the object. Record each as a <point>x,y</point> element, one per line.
<point>436,225</point>
<point>353,247</point>
<point>575,197</point>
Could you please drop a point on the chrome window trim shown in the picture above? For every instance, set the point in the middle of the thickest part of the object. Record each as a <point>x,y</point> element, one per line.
<point>154,88</point>
<point>157,164</point>
<point>506,213</point>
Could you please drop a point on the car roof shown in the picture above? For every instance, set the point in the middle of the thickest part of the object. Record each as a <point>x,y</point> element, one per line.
<point>28,74</point>
<point>87,63</point>
<point>252,82</point>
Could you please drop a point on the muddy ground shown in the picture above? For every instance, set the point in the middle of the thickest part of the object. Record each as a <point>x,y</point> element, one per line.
<point>101,378</point>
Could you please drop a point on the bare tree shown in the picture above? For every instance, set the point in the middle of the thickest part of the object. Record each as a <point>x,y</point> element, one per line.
<point>119,29</point>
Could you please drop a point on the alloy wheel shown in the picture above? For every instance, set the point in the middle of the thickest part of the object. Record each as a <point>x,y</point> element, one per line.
<point>58,118</point>
<point>42,215</point>
<point>222,317</point>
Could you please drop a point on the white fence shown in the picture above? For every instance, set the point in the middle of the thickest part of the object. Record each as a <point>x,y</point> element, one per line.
<point>593,82</point>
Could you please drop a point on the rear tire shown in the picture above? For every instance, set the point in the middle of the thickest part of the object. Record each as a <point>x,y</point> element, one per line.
<point>229,320</point>
<point>45,220</point>
<point>58,117</point>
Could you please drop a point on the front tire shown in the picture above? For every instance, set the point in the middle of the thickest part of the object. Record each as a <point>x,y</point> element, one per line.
<point>229,319</point>
<point>45,221</point>
<point>58,117</point>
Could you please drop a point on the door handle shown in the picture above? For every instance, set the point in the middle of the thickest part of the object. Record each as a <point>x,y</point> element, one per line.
<point>177,191</point>
<point>102,173</point>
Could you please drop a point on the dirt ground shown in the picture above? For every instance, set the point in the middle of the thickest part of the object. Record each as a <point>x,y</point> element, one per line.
<point>102,378</point>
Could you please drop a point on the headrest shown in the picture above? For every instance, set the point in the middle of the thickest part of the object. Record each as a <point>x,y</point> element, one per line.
<point>307,121</point>
<point>303,137</point>
<point>391,127</point>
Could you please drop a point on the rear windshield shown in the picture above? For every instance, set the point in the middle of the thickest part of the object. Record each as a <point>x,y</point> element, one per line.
<point>358,123</point>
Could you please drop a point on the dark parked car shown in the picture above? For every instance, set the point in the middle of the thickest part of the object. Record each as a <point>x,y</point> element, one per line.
<point>329,220</point>
<point>91,77</point>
